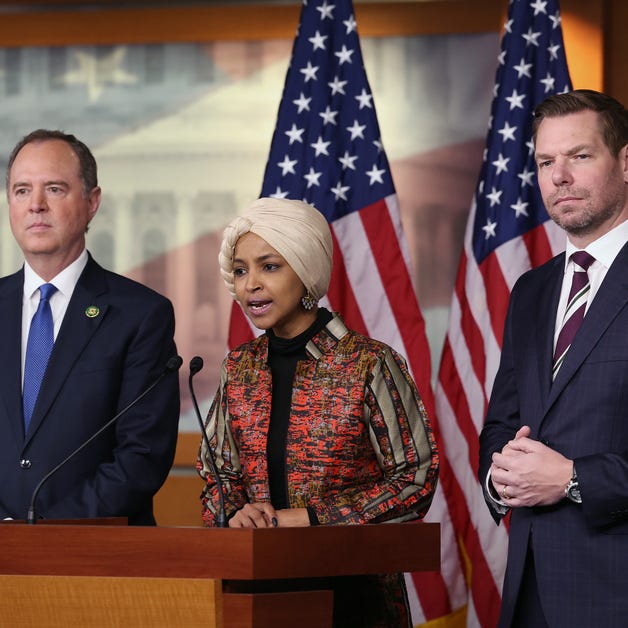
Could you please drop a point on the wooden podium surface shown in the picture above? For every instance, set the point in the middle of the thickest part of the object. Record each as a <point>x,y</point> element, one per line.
<point>243,557</point>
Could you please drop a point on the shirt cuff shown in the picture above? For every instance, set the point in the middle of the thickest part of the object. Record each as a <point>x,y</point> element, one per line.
<point>500,506</point>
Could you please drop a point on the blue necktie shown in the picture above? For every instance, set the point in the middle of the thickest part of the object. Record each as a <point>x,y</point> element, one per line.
<point>38,349</point>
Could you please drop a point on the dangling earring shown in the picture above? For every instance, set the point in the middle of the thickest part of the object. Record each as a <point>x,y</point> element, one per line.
<point>308,301</point>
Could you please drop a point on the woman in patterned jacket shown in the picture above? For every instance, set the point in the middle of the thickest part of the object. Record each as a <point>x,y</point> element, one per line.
<point>313,423</point>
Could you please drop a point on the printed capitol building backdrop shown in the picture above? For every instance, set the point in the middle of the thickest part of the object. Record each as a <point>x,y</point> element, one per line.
<point>182,133</point>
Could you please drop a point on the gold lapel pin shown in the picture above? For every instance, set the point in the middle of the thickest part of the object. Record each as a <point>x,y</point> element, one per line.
<point>92,311</point>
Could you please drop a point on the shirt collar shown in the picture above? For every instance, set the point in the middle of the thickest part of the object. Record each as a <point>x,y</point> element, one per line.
<point>65,281</point>
<point>604,249</point>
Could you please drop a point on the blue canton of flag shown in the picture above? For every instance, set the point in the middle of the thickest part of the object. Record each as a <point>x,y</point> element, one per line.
<point>326,148</point>
<point>532,66</point>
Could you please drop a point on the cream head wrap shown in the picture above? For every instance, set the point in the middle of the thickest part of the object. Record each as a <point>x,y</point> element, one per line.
<point>296,230</point>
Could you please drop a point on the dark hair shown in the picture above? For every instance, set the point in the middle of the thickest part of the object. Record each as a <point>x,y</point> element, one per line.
<point>612,114</point>
<point>88,170</point>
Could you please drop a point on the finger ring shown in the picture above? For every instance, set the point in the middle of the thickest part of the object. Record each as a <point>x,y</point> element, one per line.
<point>505,494</point>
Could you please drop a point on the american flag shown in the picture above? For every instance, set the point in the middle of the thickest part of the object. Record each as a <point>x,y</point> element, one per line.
<point>508,232</point>
<point>327,150</point>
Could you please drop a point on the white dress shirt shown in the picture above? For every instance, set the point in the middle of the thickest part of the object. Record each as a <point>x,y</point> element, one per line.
<point>65,282</point>
<point>604,250</point>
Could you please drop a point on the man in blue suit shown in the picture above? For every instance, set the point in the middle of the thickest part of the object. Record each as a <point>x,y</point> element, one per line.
<point>112,339</point>
<point>554,448</point>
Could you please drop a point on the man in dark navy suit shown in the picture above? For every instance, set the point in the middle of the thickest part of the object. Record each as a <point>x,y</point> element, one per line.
<point>554,448</point>
<point>112,338</point>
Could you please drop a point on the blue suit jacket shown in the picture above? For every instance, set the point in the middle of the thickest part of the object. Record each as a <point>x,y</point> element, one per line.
<point>580,551</point>
<point>98,366</point>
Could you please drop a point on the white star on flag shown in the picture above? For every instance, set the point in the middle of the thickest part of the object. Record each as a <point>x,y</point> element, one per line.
<point>344,56</point>
<point>539,6</point>
<point>364,99</point>
<point>340,191</point>
<point>326,10</point>
<point>489,229</point>
<point>312,177</point>
<point>375,175</point>
<point>295,134</point>
<point>347,161</point>
<point>337,86</point>
<point>320,147</point>
<point>523,69</point>
<point>553,50</point>
<point>526,177</point>
<point>515,100</point>
<point>357,130</point>
<point>501,163</point>
<point>507,132</point>
<point>310,72</point>
<point>302,103</point>
<point>548,81</point>
<point>329,116</point>
<point>520,208</point>
<point>318,41</point>
<point>532,39</point>
<point>494,196</point>
<point>287,165</point>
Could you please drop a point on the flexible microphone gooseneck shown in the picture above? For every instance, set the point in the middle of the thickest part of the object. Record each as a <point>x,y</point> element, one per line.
<point>172,365</point>
<point>196,364</point>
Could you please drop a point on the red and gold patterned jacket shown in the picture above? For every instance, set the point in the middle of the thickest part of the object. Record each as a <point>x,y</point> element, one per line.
<point>359,449</point>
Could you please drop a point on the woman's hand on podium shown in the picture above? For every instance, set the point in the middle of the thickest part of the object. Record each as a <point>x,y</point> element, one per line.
<point>263,515</point>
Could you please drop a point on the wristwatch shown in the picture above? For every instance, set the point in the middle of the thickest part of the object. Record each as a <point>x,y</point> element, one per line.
<point>572,490</point>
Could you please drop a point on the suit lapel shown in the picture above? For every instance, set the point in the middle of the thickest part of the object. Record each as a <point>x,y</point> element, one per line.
<point>610,299</point>
<point>79,325</point>
<point>545,322</point>
<point>11,351</point>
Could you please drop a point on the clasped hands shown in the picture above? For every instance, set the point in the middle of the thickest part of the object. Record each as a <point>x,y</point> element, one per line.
<point>528,473</point>
<point>263,515</point>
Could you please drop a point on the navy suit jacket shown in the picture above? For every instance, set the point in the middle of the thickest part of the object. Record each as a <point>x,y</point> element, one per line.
<point>580,551</point>
<point>98,366</point>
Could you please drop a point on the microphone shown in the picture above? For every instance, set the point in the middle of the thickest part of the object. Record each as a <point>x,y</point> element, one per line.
<point>196,364</point>
<point>172,365</point>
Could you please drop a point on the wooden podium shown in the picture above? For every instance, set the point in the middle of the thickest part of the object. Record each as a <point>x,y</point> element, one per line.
<point>66,575</point>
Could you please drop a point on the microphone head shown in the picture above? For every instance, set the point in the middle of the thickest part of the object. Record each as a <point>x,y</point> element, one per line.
<point>174,364</point>
<point>196,364</point>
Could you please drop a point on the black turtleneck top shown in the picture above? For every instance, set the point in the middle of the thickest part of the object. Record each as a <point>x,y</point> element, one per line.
<point>283,355</point>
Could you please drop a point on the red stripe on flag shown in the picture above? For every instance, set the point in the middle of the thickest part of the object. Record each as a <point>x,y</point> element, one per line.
<point>538,245</point>
<point>482,586</point>
<point>383,239</point>
<point>239,328</point>
<point>470,329</point>
<point>432,591</point>
<point>340,293</point>
<point>454,391</point>
<point>500,295</point>
<point>396,280</point>
<point>486,596</point>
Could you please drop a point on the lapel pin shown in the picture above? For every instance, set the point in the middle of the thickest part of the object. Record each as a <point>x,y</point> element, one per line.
<point>92,311</point>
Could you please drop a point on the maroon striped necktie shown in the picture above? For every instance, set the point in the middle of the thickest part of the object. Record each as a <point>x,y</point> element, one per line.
<point>576,305</point>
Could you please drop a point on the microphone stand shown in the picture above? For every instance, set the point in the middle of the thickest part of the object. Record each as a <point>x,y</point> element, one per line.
<point>173,364</point>
<point>196,364</point>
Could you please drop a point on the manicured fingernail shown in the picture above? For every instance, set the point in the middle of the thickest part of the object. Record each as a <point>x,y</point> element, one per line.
<point>274,521</point>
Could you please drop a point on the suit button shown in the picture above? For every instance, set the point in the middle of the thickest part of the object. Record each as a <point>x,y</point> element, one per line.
<point>25,464</point>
